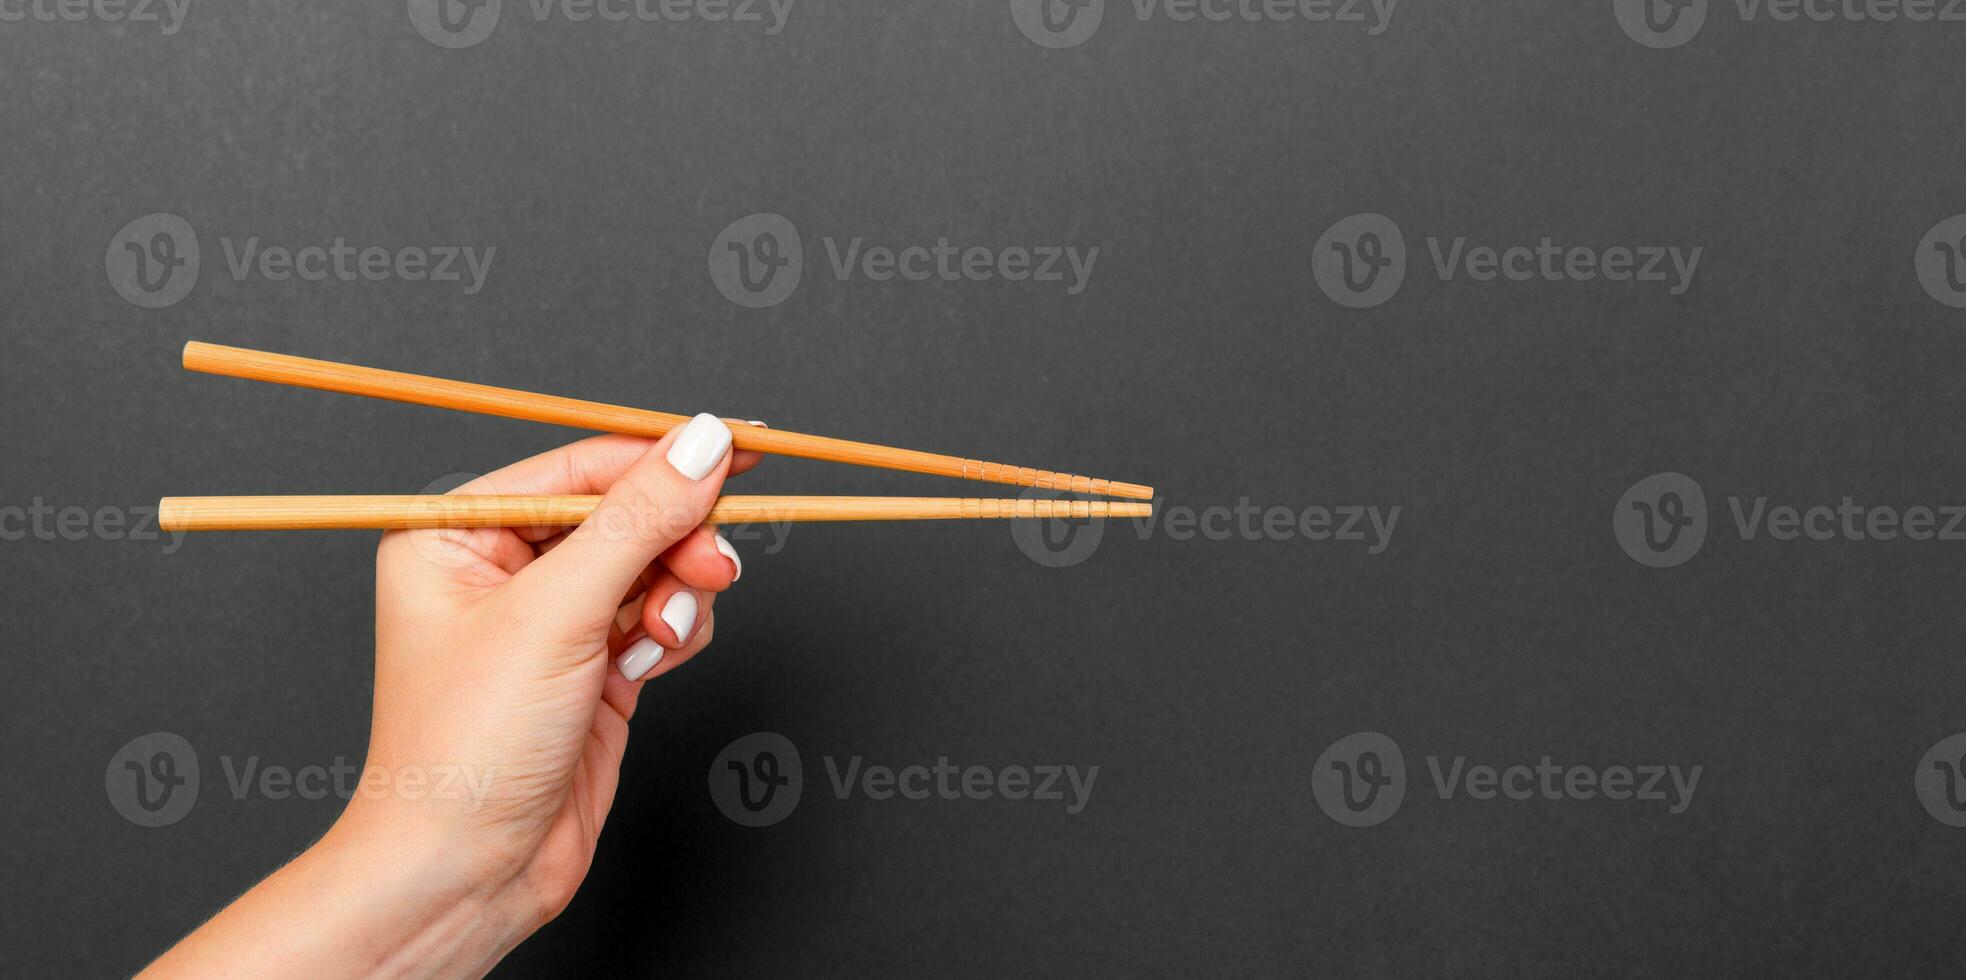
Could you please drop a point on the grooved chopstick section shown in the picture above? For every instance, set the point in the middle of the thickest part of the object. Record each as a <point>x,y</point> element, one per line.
<point>417,389</point>
<point>400,512</point>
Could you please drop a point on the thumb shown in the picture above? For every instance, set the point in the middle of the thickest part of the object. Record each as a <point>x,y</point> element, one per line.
<point>658,500</point>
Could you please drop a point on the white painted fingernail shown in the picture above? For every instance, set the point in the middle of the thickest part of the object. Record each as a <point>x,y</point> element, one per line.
<point>699,446</point>
<point>680,615</point>
<point>640,658</point>
<point>736,563</point>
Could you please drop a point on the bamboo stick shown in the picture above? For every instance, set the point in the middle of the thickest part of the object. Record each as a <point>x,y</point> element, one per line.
<point>463,510</point>
<point>416,389</point>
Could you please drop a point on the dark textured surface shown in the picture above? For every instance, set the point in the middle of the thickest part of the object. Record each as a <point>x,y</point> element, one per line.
<point>1203,677</point>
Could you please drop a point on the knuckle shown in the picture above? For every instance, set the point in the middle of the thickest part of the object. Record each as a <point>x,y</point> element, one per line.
<point>649,505</point>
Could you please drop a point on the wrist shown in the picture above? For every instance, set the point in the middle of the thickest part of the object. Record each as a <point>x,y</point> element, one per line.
<point>366,900</point>
<point>424,904</point>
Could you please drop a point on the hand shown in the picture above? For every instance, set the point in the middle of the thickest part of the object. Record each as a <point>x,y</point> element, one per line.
<point>508,663</point>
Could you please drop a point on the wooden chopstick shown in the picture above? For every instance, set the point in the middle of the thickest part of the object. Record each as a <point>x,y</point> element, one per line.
<point>332,513</point>
<point>239,362</point>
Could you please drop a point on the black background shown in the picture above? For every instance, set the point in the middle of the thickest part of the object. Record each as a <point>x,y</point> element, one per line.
<point>1203,677</point>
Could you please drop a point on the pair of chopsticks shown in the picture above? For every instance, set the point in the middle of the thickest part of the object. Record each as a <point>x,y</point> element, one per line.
<point>429,511</point>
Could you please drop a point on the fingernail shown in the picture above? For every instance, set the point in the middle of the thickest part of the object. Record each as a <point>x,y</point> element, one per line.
<point>736,563</point>
<point>699,446</point>
<point>680,615</point>
<point>759,424</point>
<point>640,658</point>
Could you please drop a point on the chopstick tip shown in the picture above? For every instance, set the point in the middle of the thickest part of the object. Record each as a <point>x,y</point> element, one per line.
<point>169,518</point>
<point>195,355</point>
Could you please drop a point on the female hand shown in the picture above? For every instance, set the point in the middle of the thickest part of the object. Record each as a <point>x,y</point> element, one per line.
<point>508,663</point>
